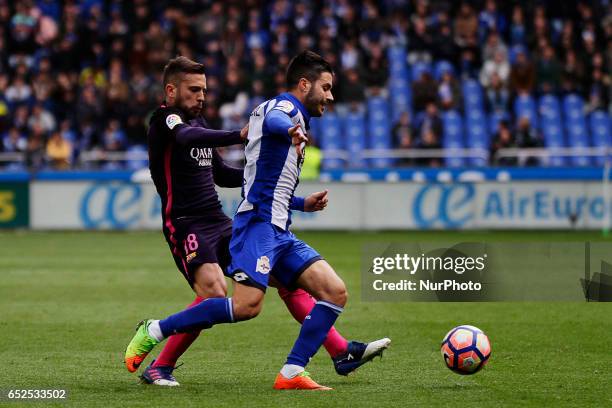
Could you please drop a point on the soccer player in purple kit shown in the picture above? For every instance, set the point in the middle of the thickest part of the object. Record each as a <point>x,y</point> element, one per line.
<point>185,167</point>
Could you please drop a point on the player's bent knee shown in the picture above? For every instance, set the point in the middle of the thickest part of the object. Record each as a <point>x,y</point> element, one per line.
<point>246,312</point>
<point>210,291</point>
<point>339,296</point>
<point>247,302</point>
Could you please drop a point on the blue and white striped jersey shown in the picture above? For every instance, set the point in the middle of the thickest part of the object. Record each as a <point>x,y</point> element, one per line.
<point>272,164</point>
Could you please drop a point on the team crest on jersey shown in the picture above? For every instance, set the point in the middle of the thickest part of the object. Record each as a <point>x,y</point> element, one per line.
<point>263,265</point>
<point>285,106</point>
<point>191,256</point>
<point>172,120</point>
<point>203,155</point>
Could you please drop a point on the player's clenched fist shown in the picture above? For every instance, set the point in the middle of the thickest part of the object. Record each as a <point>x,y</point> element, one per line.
<point>316,201</point>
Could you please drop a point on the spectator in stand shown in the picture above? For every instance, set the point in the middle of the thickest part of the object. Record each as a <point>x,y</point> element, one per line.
<point>35,148</point>
<point>430,122</point>
<point>444,47</point>
<point>429,141</point>
<point>421,42</point>
<point>43,118</point>
<point>424,90</point>
<point>498,66</point>
<point>114,140</point>
<point>503,139</point>
<point>403,136</point>
<point>548,71</point>
<point>491,19</point>
<point>20,119</point>
<point>449,92</point>
<point>350,55</point>
<point>58,152</point>
<point>527,136</point>
<point>95,61</point>
<point>599,90</point>
<point>14,141</point>
<point>522,74</point>
<point>353,89</point>
<point>497,94</point>
<point>466,27</point>
<point>376,68</point>
<point>19,92</point>
<point>572,74</point>
<point>493,46</point>
<point>89,107</point>
<point>518,30</point>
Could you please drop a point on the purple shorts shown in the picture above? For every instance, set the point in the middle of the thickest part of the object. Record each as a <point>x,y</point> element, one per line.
<point>195,241</point>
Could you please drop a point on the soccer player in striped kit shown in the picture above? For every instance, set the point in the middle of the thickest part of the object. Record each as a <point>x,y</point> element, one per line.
<point>185,166</point>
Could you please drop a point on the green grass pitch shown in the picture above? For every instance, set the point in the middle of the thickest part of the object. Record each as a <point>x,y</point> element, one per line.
<point>69,302</point>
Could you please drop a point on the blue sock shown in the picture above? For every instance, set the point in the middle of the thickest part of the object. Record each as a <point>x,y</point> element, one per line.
<point>313,333</point>
<point>202,316</point>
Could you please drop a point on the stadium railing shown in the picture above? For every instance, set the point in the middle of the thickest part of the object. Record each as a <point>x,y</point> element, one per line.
<point>520,154</point>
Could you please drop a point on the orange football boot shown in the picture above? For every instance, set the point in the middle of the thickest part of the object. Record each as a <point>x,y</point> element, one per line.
<point>302,381</point>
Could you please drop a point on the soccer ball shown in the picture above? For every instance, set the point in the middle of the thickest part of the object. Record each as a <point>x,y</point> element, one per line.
<point>466,349</point>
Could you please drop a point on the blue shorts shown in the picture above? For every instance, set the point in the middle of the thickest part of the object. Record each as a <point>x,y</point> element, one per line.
<point>260,249</point>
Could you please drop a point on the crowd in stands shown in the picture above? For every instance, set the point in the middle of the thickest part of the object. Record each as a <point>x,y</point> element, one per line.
<point>79,79</point>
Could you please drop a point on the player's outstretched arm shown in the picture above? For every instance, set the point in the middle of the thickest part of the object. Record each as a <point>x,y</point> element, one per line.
<point>186,134</point>
<point>224,174</point>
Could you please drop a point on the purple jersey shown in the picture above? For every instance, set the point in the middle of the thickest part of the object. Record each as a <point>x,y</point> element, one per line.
<point>185,165</point>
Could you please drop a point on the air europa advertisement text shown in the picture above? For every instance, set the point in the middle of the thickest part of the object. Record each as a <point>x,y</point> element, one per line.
<point>353,206</point>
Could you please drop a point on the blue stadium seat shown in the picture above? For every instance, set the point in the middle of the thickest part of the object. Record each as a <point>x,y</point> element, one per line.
<point>441,68</point>
<point>418,69</point>
<point>315,125</point>
<point>354,127</point>
<point>398,66</point>
<point>549,107</point>
<point>379,129</point>
<point>575,127</point>
<point>494,119</point>
<point>477,133</point>
<point>524,105</point>
<point>475,115</point>
<point>600,133</point>
<point>577,136</point>
<point>551,127</point>
<point>573,107</point>
<point>552,131</point>
<point>514,51</point>
<point>453,137</point>
<point>600,128</point>
<point>329,132</point>
<point>400,97</point>
<point>398,83</point>
<point>472,95</point>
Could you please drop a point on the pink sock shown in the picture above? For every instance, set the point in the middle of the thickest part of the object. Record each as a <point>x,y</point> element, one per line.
<point>177,344</point>
<point>300,304</point>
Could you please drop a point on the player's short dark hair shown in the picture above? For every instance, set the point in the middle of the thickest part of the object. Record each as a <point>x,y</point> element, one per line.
<point>306,64</point>
<point>177,67</point>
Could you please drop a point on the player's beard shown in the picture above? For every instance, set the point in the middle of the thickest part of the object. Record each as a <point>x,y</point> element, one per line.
<point>191,112</point>
<point>314,102</point>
